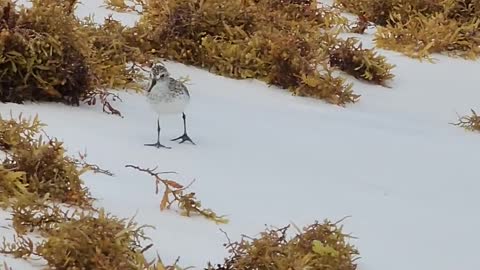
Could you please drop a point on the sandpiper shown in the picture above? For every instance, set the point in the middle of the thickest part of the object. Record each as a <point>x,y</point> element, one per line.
<point>167,96</point>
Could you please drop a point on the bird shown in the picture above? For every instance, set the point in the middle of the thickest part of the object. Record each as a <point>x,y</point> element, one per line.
<point>167,96</point>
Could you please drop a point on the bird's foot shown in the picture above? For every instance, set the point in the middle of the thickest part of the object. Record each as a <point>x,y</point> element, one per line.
<point>183,138</point>
<point>157,145</point>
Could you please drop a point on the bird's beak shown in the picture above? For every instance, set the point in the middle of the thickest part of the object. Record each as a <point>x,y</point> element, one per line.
<point>152,83</point>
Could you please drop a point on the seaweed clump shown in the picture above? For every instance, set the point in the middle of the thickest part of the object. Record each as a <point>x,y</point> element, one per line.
<point>284,43</point>
<point>117,244</point>
<point>42,187</point>
<point>175,193</point>
<point>77,240</point>
<point>421,28</point>
<point>362,63</point>
<point>48,54</point>
<point>471,123</point>
<point>110,53</point>
<point>33,166</point>
<point>41,55</point>
<point>318,246</point>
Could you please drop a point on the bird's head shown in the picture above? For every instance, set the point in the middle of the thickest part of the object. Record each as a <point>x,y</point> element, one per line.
<point>159,72</point>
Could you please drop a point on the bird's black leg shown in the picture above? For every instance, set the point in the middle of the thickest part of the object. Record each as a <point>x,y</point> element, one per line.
<point>157,144</point>
<point>184,137</point>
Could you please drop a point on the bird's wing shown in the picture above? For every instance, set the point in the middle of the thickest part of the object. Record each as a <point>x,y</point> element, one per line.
<point>174,84</point>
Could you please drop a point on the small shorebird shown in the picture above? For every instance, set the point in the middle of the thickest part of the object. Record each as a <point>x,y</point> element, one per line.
<point>167,96</point>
